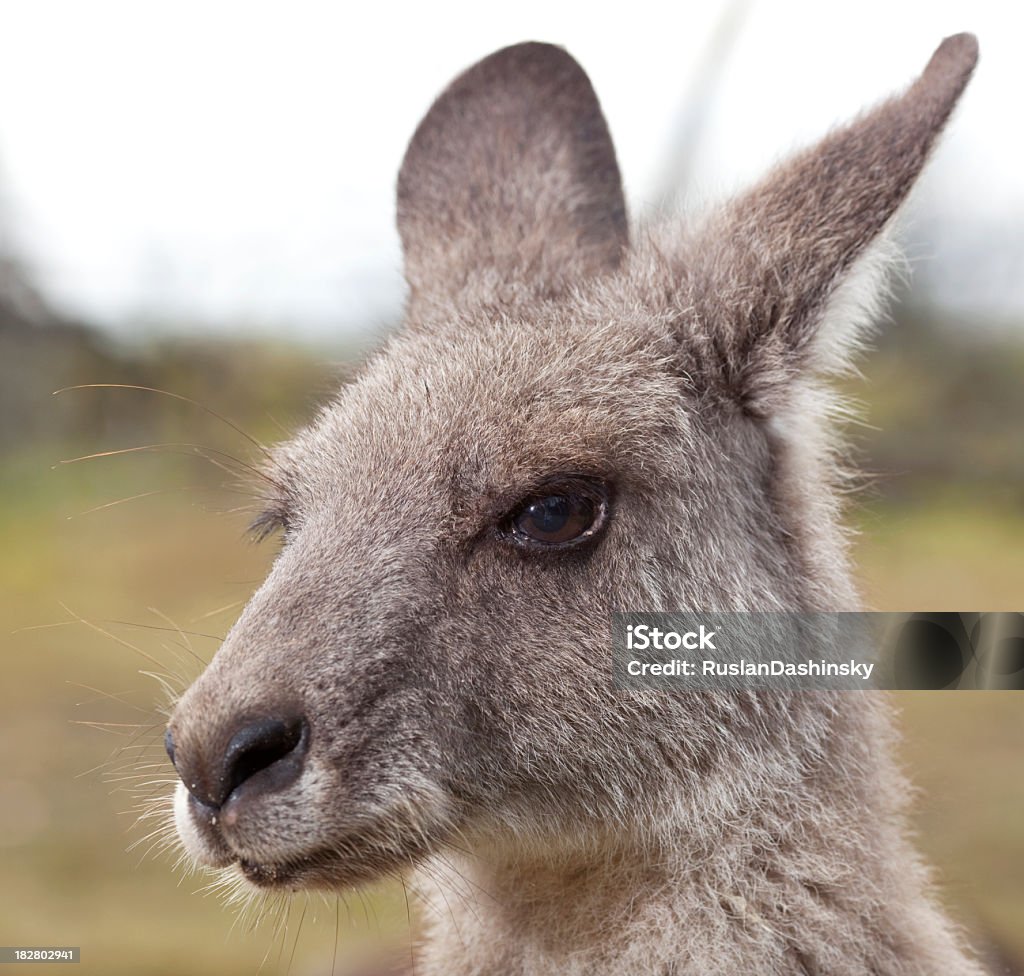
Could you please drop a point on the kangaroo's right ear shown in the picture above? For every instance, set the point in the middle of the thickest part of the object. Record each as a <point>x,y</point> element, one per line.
<point>510,187</point>
<point>765,270</point>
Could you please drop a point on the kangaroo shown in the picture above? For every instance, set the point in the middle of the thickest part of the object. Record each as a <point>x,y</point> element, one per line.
<point>576,419</point>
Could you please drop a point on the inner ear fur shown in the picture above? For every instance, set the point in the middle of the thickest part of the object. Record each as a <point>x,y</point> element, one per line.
<point>510,184</point>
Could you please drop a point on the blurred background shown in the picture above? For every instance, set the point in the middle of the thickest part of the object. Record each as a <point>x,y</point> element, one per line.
<point>197,198</point>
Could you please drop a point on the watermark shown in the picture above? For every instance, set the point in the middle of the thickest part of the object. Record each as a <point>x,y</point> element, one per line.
<point>45,954</point>
<point>818,651</point>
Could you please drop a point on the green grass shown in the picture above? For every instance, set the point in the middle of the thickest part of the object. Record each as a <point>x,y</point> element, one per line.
<point>65,876</point>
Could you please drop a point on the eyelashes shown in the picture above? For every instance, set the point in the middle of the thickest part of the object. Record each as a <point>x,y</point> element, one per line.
<point>274,518</point>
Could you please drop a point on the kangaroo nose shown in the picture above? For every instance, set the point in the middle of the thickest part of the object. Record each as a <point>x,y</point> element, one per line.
<point>264,756</point>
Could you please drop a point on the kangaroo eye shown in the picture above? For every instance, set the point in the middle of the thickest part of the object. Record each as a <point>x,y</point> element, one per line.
<point>559,519</point>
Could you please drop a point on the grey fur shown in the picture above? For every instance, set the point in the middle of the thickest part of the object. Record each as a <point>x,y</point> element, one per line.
<point>457,687</point>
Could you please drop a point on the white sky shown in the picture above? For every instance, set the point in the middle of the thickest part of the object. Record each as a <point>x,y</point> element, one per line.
<point>233,163</point>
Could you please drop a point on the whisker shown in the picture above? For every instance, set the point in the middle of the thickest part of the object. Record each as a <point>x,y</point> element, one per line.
<point>175,396</point>
<point>284,933</point>
<point>273,936</point>
<point>106,694</point>
<point>191,450</point>
<point>337,931</point>
<point>408,920</point>
<point>106,762</point>
<point>102,726</point>
<point>161,679</point>
<point>223,609</point>
<point>59,623</point>
<point>161,491</point>
<point>120,725</point>
<point>298,933</point>
<point>114,637</point>
<point>173,630</point>
<point>184,634</point>
<point>127,498</point>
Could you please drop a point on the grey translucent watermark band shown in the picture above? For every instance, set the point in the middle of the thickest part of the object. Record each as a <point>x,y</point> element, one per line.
<point>706,651</point>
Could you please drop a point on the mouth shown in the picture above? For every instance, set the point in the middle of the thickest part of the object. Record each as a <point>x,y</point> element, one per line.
<point>357,859</point>
<point>376,847</point>
<point>325,869</point>
<point>293,874</point>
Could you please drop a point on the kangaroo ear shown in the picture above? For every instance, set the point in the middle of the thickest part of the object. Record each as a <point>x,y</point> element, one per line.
<point>766,271</point>
<point>510,184</point>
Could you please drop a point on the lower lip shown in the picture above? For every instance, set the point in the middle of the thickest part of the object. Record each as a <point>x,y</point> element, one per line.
<point>308,872</point>
<point>262,875</point>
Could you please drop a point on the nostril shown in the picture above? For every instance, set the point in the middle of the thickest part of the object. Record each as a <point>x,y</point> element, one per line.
<point>271,744</point>
<point>264,756</point>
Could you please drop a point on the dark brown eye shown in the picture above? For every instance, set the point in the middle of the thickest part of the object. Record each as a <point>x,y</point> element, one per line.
<point>559,519</point>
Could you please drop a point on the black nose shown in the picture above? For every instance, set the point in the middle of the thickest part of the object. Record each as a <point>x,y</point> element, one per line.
<point>265,755</point>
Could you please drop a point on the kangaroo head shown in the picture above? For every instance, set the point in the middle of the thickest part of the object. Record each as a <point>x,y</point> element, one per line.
<point>571,423</point>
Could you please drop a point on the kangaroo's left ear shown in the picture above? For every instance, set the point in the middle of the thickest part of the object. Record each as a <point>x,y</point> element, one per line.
<point>763,272</point>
